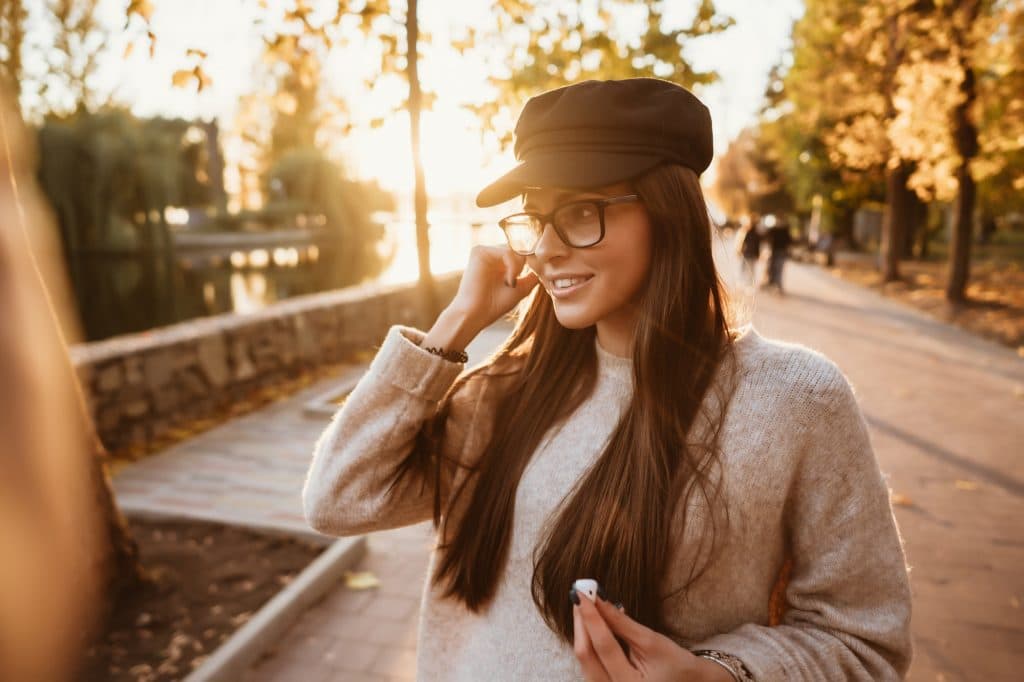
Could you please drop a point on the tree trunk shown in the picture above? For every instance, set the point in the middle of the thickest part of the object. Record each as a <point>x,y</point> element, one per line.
<point>894,220</point>
<point>916,222</point>
<point>932,214</point>
<point>960,251</point>
<point>966,135</point>
<point>428,289</point>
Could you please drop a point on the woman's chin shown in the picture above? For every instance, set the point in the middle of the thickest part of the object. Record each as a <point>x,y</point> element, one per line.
<point>571,319</point>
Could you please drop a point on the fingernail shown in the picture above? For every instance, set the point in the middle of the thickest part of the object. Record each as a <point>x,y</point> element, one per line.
<point>573,597</point>
<point>601,594</point>
<point>619,606</point>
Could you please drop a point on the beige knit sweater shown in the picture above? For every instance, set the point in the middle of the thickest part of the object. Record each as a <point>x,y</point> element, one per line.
<point>800,477</point>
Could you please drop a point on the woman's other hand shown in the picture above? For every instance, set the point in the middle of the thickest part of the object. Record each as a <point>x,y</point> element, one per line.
<point>652,656</point>
<point>491,285</point>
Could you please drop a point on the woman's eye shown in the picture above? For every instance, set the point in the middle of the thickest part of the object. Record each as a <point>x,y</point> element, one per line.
<point>581,212</point>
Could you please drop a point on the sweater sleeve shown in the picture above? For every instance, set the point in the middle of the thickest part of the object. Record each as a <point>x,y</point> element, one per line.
<point>344,491</point>
<point>848,601</point>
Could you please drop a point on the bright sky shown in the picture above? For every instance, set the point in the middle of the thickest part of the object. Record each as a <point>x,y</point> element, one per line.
<point>456,162</point>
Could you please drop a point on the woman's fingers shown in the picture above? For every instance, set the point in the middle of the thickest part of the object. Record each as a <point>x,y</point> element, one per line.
<point>513,265</point>
<point>602,640</point>
<point>584,650</point>
<point>636,635</point>
<point>526,282</point>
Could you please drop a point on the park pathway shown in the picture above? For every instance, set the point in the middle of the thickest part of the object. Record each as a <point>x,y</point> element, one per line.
<point>946,412</point>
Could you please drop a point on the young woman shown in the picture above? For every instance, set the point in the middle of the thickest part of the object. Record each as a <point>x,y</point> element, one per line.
<point>720,487</point>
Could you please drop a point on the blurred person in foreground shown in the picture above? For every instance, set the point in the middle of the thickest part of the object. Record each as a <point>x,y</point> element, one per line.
<point>48,522</point>
<point>720,486</point>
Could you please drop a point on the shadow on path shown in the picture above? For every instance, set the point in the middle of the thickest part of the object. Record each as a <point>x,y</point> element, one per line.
<point>993,476</point>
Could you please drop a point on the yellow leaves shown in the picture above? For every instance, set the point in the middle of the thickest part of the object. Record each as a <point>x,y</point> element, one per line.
<point>361,580</point>
<point>182,78</point>
<point>142,8</point>
<point>285,102</point>
<point>901,500</point>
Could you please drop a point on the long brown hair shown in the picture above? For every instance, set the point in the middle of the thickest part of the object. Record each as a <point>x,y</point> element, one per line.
<point>618,523</point>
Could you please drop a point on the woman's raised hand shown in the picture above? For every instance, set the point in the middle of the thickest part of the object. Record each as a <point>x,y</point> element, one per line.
<point>491,285</point>
<point>652,656</point>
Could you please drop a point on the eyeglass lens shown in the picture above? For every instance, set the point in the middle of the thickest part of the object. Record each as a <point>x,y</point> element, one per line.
<point>579,223</point>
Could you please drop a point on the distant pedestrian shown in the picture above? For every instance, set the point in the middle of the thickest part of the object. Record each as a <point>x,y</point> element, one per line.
<point>779,241</point>
<point>750,250</point>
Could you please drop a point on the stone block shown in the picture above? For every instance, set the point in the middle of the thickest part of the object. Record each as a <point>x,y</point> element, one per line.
<point>133,374</point>
<point>241,361</point>
<point>213,359</point>
<point>109,378</point>
<point>193,384</point>
<point>158,368</point>
<point>108,417</point>
<point>185,356</point>
<point>135,408</point>
<point>166,399</point>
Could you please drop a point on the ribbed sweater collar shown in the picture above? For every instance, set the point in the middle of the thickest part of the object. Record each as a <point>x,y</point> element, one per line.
<point>613,366</point>
<point>621,368</point>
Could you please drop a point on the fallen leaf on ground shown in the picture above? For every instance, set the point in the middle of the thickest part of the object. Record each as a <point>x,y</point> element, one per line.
<point>360,580</point>
<point>966,485</point>
<point>902,500</point>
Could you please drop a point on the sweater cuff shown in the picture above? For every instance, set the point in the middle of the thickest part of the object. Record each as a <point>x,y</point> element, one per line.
<point>402,363</point>
<point>760,658</point>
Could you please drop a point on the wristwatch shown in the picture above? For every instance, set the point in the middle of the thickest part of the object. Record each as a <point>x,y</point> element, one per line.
<point>729,662</point>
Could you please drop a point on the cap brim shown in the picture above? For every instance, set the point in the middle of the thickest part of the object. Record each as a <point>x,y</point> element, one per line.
<point>571,170</point>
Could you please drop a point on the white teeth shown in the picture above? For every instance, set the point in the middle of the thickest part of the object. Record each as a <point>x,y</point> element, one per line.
<point>565,283</point>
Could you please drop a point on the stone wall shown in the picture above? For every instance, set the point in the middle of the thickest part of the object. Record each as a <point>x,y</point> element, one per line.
<point>141,385</point>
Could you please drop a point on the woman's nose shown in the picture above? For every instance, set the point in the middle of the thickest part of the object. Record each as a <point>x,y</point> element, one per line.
<point>549,244</point>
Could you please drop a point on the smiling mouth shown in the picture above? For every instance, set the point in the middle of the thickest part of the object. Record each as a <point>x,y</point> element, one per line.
<point>575,284</point>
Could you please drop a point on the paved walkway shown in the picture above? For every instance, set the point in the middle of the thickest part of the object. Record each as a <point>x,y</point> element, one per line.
<point>249,472</point>
<point>945,410</point>
<point>946,413</point>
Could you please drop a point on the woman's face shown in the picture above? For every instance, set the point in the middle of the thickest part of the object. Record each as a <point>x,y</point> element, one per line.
<point>616,267</point>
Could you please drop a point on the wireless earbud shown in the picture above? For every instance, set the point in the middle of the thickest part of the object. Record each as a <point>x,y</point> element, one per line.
<point>587,587</point>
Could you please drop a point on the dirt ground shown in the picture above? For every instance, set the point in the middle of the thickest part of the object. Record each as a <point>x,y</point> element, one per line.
<point>207,580</point>
<point>995,289</point>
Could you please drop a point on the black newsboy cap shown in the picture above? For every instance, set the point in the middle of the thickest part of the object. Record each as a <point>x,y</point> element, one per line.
<point>596,133</point>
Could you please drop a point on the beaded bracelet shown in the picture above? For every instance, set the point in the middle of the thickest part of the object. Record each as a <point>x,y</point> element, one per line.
<point>449,355</point>
<point>729,662</point>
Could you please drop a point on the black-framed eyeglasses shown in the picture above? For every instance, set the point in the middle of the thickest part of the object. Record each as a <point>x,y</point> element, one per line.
<point>578,224</point>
